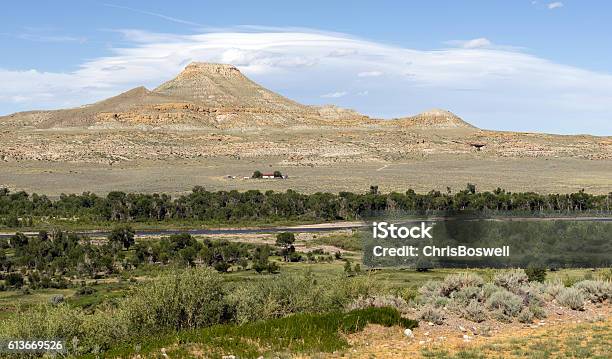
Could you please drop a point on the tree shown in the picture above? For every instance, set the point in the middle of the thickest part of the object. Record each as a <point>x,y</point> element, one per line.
<point>347,268</point>
<point>122,236</point>
<point>285,240</point>
<point>14,280</point>
<point>18,240</point>
<point>536,274</point>
<point>257,174</point>
<point>278,174</point>
<point>471,188</point>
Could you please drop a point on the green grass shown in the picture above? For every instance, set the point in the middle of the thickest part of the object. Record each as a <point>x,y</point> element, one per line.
<point>299,333</point>
<point>346,242</point>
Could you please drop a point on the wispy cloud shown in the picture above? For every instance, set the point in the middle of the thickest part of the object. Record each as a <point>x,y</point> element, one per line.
<point>471,44</point>
<point>51,38</point>
<point>369,74</point>
<point>337,94</point>
<point>150,13</point>
<point>555,5</point>
<point>508,89</point>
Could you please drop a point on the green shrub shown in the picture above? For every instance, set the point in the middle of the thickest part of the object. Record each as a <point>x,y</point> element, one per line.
<point>474,311</point>
<point>44,321</point>
<point>432,314</point>
<point>571,298</point>
<point>525,316</point>
<point>299,333</point>
<point>287,294</point>
<point>538,312</point>
<point>512,279</point>
<point>536,274</point>
<point>86,290</point>
<point>187,299</point>
<point>14,280</point>
<point>508,303</point>
<point>596,291</point>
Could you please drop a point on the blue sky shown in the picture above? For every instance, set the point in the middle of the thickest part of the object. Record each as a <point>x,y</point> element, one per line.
<point>510,65</point>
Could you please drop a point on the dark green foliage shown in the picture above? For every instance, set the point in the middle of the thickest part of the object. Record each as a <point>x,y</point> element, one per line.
<point>14,280</point>
<point>20,208</point>
<point>122,236</point>
<point>257,174</point>
<point>536,274</point>
<point>285,240</point>
<point>308,333</point>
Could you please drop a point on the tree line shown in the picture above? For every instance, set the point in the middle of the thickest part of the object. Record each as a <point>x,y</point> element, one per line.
<point>47,259</point>
<point>20,208</point>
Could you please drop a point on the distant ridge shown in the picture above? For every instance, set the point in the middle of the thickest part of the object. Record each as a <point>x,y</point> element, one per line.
<point>209,95</point>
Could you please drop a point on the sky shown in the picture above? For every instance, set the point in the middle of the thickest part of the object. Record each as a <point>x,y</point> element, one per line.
<point>521,65</point>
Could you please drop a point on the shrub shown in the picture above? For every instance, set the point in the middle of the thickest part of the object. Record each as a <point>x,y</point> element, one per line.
<point>596,291</point>
<point>44,321</point>
<point>14,280</point>
<point>536,274</point>
<point>474,311</point>
<point>571,298</point>
<point>466,295</point>
<point>512,280</point>
<point>187,299</point>
<point>500,316</point>
<point>538,311</point>
<point>525,316</point>
<point>488,289</point>
<point>455,282</point>
<point>408,294</point>
<point>287,294</point>
<point>532,293</point>
<point>56,299</point>
<point>431,289</point>
<point>432,314</point>
<point>553,289</point>
<point>507,303</point>
<point>85,290</point>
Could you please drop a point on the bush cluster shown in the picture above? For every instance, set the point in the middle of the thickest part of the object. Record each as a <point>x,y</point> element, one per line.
<point>188,299</point>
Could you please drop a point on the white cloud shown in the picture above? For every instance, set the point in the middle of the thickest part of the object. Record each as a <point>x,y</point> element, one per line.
<point>555,5</point>
<point>471,44</point>
<point>489,86</point>
<point>335,94</point>
<point>369,74</point>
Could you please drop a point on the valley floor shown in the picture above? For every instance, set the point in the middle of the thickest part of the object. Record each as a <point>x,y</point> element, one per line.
<point>544,175</point>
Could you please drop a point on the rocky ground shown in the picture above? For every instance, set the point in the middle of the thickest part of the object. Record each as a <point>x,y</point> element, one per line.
<point>457,334</point>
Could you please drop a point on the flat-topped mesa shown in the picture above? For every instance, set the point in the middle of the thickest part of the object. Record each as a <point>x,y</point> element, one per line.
<point>223,86</point>
<point>435,118</point>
